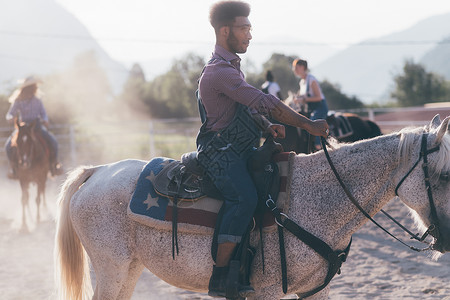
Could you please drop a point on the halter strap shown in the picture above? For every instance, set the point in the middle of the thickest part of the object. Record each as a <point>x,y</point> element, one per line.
<point>423,154</point>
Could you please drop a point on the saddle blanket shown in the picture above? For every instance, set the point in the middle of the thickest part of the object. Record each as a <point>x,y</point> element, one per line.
<point>343,127</point>
<point>151,209</point>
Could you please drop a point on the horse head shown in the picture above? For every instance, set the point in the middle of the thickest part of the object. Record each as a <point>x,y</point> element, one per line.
<point>25,142</point>
<point>425,185</point>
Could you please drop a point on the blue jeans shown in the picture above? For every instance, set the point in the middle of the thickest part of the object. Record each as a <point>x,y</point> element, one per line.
<point>231,177</point>
<point>240,200</point>
<point>319,111</point>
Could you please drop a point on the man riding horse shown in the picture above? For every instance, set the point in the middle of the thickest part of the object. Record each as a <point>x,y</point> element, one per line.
<point>26,106</point>
<point>233,115</point>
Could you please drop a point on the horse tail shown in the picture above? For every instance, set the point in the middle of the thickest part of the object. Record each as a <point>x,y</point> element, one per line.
<point>71,264</point>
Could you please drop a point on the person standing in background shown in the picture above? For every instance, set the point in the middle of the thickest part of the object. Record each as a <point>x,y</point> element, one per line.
<point>270,86</point>
<point>310,93</point>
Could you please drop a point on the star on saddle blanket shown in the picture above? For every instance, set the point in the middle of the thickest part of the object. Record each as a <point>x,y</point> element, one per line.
<point>151,209</point>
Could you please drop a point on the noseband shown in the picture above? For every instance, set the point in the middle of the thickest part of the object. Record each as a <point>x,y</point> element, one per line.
<point>433,229</point>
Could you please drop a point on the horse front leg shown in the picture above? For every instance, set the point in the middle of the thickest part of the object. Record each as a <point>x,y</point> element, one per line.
<point>40,196</point>
<point>25,197</point>
<point>38,202</point>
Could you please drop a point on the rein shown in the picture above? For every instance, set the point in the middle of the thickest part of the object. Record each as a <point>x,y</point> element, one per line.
<point>433,229</point>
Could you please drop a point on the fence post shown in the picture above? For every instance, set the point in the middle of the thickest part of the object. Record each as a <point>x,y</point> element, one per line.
<point>371,115</point>
<point>152,139</point>
<point>73,150</point>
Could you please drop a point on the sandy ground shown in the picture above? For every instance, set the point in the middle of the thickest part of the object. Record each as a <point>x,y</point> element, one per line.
<point>377,268</point>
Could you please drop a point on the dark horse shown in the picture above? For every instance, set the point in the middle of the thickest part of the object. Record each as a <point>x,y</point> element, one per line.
<point>32,156</point>
<point>300,141</point>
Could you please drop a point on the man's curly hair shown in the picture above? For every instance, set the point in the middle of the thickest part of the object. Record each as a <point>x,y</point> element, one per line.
<point>223,13</point>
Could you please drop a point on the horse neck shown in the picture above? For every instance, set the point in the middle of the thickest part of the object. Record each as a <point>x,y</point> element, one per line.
<point>40,147</point>
<point>318,202</point>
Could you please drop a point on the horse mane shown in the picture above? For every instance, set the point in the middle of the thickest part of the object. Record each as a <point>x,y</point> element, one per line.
<point>443,162</point>
<point>407,138</point>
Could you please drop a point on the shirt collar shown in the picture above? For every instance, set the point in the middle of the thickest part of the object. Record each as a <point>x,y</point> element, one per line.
<point>225,54</point>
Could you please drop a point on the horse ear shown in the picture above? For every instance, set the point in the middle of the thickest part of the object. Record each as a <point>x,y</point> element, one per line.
<point>435,122</point>
<point>443,129</point>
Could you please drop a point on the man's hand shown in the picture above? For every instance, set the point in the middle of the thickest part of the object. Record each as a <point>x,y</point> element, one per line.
<point>277,131</point>
<point>319,128</point>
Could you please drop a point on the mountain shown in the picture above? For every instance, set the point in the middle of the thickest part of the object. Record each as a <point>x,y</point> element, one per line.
<point>438,59</point>
<point>40,37</point>
<point>366,70</point>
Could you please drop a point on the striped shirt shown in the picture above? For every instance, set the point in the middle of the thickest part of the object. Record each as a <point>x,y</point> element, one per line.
<point>28,110</point>
<point>222,86</point>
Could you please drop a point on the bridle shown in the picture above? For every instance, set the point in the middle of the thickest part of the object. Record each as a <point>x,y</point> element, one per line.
<point>433,229</point>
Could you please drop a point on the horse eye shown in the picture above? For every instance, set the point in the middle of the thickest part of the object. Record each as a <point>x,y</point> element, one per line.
<point>444,177</point>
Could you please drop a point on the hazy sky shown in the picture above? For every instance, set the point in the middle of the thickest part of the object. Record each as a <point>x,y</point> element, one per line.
<point>133,30</point>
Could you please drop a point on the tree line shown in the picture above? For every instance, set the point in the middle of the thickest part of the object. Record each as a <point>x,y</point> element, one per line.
<point>82,92</point>
<point>172,95</point>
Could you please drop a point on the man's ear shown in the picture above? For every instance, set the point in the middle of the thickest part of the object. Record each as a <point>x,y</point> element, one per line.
<point>224,31</point>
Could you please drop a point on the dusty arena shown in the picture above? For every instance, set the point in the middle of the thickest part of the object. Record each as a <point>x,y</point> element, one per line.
<point>377,268</point>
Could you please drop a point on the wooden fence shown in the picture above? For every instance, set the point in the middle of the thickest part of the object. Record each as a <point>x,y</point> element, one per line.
<point>107,142</point>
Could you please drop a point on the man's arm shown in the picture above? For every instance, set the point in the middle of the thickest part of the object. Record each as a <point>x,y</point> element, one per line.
<point>287,115</point>
<point>261,121</point>
<point>276,130</point>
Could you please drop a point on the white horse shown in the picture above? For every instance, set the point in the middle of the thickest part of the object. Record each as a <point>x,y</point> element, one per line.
<point>93,216</point>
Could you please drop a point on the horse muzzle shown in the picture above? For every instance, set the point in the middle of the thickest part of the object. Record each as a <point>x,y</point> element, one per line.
<point>441,242</point>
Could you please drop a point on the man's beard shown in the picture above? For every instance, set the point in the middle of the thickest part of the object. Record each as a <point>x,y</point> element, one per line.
<point>233,44</point>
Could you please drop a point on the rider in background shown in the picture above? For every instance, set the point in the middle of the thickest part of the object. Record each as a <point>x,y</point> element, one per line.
<point>310,93</point>
<point>26,105</point>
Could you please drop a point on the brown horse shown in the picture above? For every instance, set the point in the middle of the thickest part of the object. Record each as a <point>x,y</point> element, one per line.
<point>32,156</point>
<point>360,128</point>
<point>300,141</point>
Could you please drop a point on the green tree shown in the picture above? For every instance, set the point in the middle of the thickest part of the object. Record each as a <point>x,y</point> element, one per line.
<point>4,107</point>
<point>336,99</point>
<point>131,99</point>
<point>416,86</point>
<point>281,67</point>
<point>172,95</point>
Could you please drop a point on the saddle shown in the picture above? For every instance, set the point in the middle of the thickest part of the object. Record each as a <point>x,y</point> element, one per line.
<point>185,180</point>
<point>340,126</point>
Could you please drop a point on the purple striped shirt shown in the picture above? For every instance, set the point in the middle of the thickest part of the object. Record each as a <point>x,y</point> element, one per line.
<point>222,86</point>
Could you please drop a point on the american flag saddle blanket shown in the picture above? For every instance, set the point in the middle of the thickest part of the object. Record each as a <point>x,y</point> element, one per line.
<point>152,209</point>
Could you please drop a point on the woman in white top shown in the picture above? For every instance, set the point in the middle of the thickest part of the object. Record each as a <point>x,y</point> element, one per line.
<point>310,93</point>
